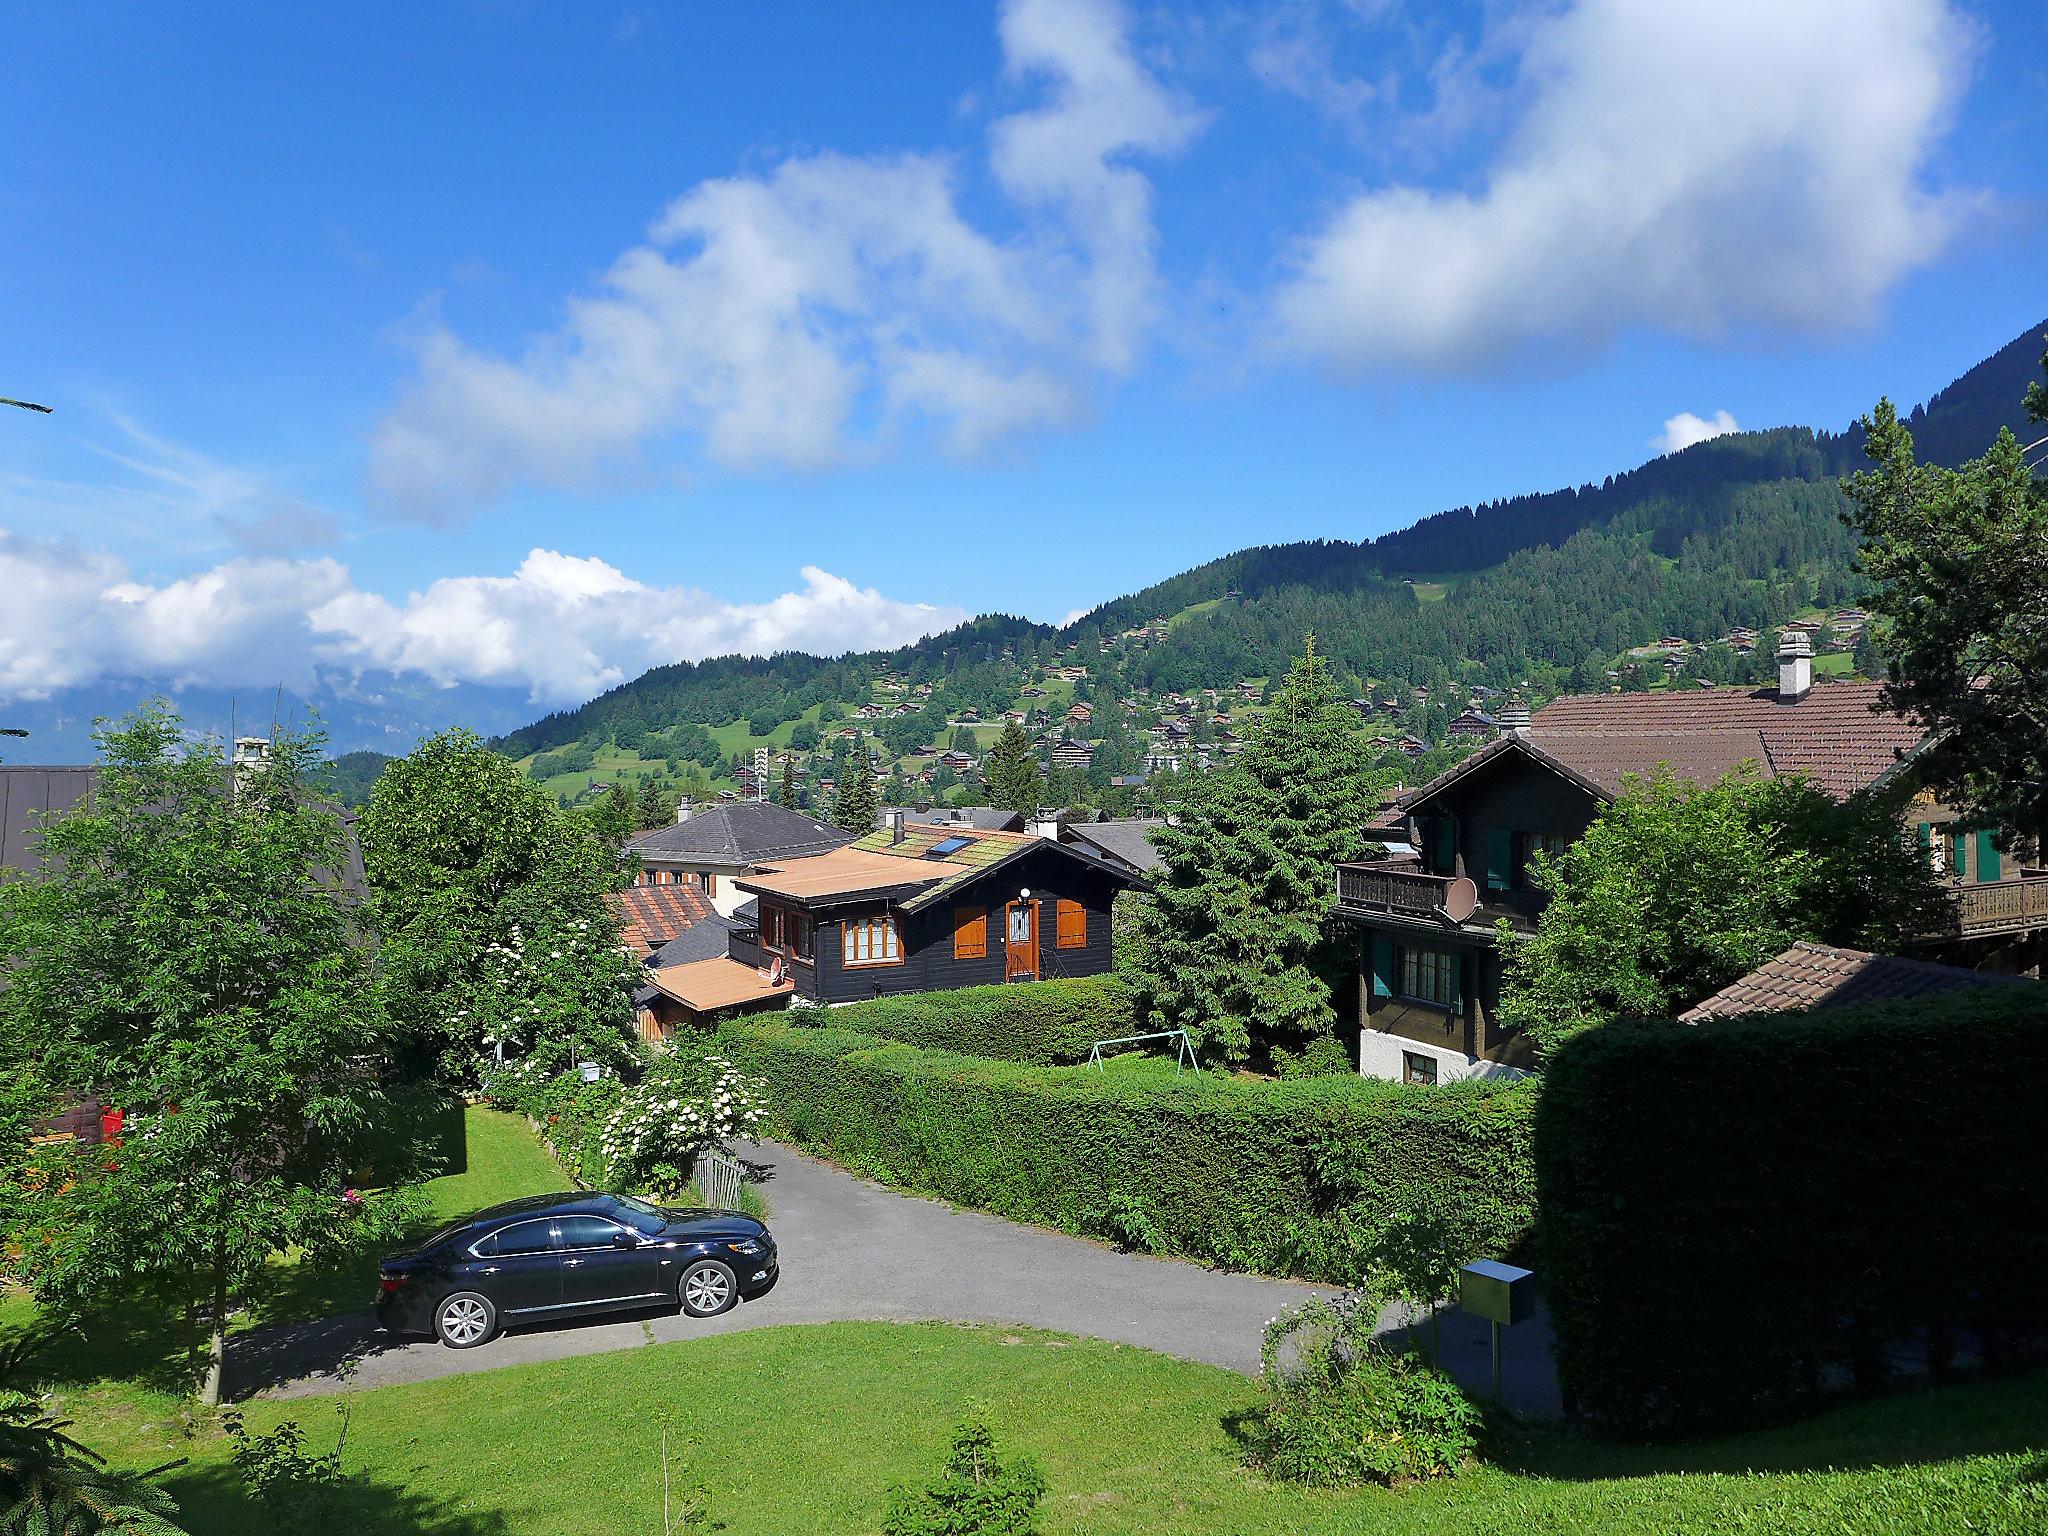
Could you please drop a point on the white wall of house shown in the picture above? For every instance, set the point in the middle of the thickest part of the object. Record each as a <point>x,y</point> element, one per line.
<point>726,898</point>
<point>1383,1055</point>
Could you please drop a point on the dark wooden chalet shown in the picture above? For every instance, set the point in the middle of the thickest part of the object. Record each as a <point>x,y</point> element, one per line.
<point>1429,977</point>
<point>908,908</point>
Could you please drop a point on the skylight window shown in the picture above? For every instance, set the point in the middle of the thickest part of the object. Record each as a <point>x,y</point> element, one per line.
<point>947,845</point>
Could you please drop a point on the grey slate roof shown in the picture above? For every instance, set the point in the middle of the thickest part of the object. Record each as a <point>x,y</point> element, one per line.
<point>702,940</point>
<point>1128,842</point>
<point>27,794</point>
<point>744,832</point>
<point>982,818</point>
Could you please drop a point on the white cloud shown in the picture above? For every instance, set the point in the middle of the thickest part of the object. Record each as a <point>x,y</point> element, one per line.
<point>1685,429</point>
<point>1689,167</point>
<point>561,627</point>
<point>816,313</point>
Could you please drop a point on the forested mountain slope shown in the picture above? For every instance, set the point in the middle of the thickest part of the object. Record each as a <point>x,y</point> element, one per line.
<point>1739,530</point>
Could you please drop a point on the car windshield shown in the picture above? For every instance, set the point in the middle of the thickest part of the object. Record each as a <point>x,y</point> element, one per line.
<point>648,1218</point>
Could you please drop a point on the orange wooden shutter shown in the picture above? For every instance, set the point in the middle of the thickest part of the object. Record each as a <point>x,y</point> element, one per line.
<point>1072,918</point>
<point>970,933</point>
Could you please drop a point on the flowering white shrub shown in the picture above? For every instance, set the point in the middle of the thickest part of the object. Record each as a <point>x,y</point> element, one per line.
<point>683,1105</point>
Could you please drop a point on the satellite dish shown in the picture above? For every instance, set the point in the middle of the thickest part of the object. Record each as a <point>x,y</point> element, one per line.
<point>775,968</point>
<point>1461,900</point>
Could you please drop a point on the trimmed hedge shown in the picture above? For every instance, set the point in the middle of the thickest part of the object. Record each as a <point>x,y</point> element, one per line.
<point>1282,1177</point>
<point>1051,1023</point>
<point>1742,1218</point>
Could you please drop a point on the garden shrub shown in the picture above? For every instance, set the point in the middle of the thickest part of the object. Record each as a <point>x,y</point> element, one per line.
<point>1740,1218</point>
<point>975,1494</point>
<point>1291,1178</point>
<point>1342,1409</point>
<point>1051,1023</point>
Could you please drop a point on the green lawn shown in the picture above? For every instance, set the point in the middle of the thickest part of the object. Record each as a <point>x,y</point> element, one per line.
<point>802,1430</point>
<point>134,1359</point>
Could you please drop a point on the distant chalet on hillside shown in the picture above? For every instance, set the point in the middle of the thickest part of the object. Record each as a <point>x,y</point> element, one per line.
<point>1429,970</point>
<point>715,845</point>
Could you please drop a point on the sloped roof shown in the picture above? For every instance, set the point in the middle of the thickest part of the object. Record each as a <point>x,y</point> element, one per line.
<point>650,915</point>
<point>706,985</point>
<point>908,871</point>
<point>1831,736</point>
<point>704,939</point>
<point>744,832</point>
<point>1819,976</point>
<point>1128,840</point>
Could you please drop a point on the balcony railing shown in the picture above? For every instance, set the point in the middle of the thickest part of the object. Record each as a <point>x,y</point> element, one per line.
<point>1376,888</point>
<point>1999,906</point>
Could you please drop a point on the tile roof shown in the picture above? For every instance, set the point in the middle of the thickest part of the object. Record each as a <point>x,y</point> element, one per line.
<point>1818,976</point>
<point>1834,734</point>
<point>1129,841</point>
<point>651,915</point>
<point>745,832</point>
<point>877,864</point>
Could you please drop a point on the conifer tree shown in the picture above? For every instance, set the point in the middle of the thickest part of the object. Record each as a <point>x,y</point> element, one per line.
<point>1234,948</point>
<point>1011,772</point>
<point>855,808</point>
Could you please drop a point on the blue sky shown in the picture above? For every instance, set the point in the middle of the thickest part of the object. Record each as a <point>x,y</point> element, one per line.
<point>534,344</point>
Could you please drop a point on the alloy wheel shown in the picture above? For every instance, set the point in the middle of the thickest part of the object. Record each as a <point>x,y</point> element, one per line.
<point>463,1320</point>
<point>707,1288</point>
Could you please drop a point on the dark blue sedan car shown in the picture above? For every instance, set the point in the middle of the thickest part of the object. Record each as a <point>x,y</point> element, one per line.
<point>561,1256</point>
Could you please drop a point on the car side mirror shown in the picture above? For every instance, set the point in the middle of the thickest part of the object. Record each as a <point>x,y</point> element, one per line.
<point>625,1240</point>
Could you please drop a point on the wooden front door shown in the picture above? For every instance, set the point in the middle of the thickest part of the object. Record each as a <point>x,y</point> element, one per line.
<point>1020,941</point>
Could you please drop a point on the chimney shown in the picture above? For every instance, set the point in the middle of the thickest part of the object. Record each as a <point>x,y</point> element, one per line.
<point>250,754</point>
<point>1513,718</point>
<point>684,811</point>
<point>895,824</point>
<point>1045,822</point>
<point>1795,666</point>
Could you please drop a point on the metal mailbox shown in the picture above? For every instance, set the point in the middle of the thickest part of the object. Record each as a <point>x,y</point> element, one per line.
<point>1498,1292</point>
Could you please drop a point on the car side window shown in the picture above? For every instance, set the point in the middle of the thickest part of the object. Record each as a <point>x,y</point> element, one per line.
<point>587,1231</point>
<point>520,1237</point>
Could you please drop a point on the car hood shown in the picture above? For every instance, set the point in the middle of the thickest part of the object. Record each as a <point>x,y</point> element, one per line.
<point>699,1223</point>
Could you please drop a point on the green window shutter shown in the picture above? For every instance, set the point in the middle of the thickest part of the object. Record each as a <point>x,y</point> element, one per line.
<point>1927,843</point>
<point>1382,966</point>
<point>1500,858</point>
<point>1446,854</point>
<point>1989,865</point>
<point>1958,855</point>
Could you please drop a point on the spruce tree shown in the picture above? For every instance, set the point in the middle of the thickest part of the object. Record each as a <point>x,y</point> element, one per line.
<point>787,796</point>
<point>1235,947</point>
<point>855,808</point>
<point>1011,772</point>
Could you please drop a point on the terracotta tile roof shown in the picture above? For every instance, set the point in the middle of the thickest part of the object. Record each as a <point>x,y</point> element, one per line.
<point>723,982</point>
<point>1833,735</point>
<point>877,863</point>
<point>1817,976</point>
<point>651,915</point>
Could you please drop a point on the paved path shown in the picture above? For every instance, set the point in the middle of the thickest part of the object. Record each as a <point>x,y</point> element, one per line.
<point>854,1251</point>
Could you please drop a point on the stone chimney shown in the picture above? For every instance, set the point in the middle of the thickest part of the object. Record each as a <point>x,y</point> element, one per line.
<point>1512,718</point>
<point>684,811</point>
<point>1795,666</point>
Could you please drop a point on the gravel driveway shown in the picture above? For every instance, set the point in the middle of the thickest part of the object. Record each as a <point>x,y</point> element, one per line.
<point>854,1251</point>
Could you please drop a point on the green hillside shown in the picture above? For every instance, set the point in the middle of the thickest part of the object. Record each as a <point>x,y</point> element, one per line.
<point>1543,593</point>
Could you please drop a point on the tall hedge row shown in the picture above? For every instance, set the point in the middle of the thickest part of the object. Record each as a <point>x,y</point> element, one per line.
<point>1283,1178</point>
<point>1051,1023</point>
<point>1742,1218</point>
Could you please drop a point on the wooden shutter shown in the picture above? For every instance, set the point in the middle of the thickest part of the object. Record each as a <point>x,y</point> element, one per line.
<point>970,933</point>
<point>1500,858</point>
<point>1958,854</point>
<point>1382,965</point>
<point>1444,830</point>
<point>1071,925</point>
<point>1989,864</point>
<point>1927,843</point>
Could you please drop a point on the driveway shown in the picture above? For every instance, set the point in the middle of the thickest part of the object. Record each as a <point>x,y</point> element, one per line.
<point>854,1251</point>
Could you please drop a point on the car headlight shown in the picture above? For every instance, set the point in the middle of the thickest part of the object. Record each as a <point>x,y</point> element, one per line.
<point>746,1245</point>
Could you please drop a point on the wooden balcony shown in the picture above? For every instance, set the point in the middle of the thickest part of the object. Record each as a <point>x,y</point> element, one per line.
<point>1988,908</point>
<point>1401,891</point>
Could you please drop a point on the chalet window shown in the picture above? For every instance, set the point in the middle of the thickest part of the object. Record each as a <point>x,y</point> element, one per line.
<point>1418,1069</point>
<point>1071,919</point>
<point>870,941</point>
<point>1500,858</point>
<point>800,935</point>
<point>1430,976</point>
<point>786,930</point>
<point>970,933</point>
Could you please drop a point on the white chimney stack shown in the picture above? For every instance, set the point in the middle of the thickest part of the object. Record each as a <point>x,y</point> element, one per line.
<point>1045,822</point>
<point>684,811</point>
<point>1513,718</point>
<point>1795,665</point>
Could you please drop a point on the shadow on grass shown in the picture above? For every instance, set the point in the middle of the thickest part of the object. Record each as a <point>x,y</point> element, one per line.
<point>2005,1416</point>
<point>212,1502</point>
<point>149,1340</point>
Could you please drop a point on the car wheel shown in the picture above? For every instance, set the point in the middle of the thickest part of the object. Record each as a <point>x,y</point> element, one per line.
<point>465,1319</point>
<point>709,1288</point>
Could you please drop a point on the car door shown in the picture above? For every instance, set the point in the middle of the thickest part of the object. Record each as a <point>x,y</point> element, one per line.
<point>520,1267</point>
<point>604,1264</point>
